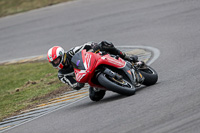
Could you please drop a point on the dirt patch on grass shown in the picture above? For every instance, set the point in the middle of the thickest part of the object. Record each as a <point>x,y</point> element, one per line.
<point>53,94</point>
<point>42,99</point>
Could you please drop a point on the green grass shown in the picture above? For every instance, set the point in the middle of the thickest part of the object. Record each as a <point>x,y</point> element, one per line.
<point>8,7</point>
<point>23,85</point>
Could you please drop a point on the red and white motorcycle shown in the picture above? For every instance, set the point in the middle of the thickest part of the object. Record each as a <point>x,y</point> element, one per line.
<point>104,72</point>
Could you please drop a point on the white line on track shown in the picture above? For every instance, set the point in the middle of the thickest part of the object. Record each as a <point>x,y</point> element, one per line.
<point>43,114</point>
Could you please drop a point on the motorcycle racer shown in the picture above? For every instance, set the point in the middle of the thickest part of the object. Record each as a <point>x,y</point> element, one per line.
<point>62,60</point>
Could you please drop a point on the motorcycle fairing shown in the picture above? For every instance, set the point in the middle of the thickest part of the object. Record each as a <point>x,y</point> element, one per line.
<point>85,64</point>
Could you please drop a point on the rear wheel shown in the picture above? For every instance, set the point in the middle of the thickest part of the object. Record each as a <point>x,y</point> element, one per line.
<point>120,86</point>
<point>150,75</point>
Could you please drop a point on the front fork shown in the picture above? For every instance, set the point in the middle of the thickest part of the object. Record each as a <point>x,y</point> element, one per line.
<point>137,75</point>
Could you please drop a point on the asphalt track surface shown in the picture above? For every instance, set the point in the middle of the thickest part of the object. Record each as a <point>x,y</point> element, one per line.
<point>172,26</point>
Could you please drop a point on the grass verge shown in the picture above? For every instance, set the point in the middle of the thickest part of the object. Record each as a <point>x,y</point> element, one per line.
<point>25,85</point>
<point>8,7</point>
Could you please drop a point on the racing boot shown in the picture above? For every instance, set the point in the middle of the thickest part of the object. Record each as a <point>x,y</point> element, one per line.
<point>140,64</point>
<point>78,86</point>
<point>132,58</point>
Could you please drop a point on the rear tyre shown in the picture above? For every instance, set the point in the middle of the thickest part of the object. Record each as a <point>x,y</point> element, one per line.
<point>96,95</point>
<point>150,75</point>
<point>122,87</point>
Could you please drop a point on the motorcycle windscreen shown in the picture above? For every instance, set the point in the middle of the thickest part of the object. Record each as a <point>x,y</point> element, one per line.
<point>77,61</point>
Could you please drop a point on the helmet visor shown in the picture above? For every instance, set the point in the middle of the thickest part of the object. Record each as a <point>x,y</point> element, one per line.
<point>56,62</point>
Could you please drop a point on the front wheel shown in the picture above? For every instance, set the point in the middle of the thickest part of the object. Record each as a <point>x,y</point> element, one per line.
<point>150,75</point>
<point>120,86</point>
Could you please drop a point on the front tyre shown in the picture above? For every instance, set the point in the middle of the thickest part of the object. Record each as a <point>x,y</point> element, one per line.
<point>120,86</point>
<point>150,75</point>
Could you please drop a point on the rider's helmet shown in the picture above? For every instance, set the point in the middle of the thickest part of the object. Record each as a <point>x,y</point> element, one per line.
<point>55,56</point>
